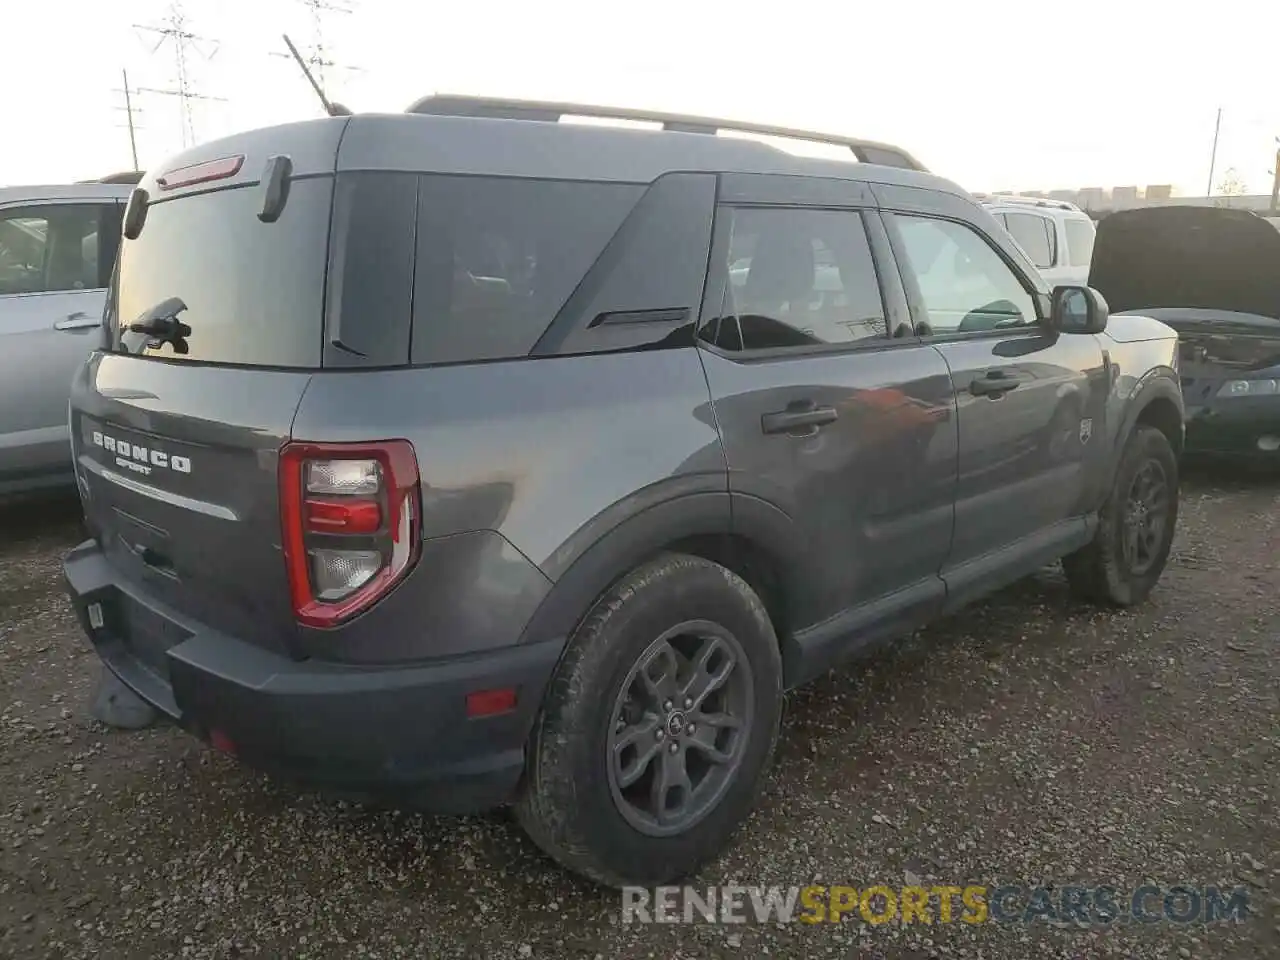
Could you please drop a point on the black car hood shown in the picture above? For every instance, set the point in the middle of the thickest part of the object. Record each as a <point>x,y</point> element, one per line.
<point>1199,258</point>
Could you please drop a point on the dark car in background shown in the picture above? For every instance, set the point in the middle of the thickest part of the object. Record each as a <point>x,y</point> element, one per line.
<point>1213,274</point>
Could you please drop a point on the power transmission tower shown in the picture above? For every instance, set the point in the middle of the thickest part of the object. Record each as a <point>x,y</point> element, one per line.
<point>174,29</point>
<point>318,57</point>
<point>130,110</point>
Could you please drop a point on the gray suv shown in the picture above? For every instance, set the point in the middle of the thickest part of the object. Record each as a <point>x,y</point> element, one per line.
<point>465,457</point>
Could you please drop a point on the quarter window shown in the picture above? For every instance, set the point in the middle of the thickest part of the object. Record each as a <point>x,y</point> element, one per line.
<point>965,284</point>
<point>1080,234</point>
<point>55,247</point>
<point>497,259</point>
<point>800,278</point>
<point>1034,235</point>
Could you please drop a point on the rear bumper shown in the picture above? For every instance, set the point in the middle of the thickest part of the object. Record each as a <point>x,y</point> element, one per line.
<point>396,732</point>
<point>1242,428</point>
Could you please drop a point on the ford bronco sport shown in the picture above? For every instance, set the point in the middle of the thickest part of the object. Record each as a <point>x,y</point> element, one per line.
<point>467,457</point>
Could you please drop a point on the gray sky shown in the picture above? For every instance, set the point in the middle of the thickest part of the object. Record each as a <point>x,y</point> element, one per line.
<point>992,94</point>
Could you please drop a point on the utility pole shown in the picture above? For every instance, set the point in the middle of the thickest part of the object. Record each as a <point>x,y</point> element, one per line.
<point>128,108</point>
<point>1213,156</point>
<point>174,30</point>
<point>1275,181</point>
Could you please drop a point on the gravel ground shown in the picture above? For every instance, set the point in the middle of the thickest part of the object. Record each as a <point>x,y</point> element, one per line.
<point>1029,738</point>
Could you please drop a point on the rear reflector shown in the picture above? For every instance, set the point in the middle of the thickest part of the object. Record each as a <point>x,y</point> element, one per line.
<point>487,703</point>
<point>219,169</point>
<point>220,741</point>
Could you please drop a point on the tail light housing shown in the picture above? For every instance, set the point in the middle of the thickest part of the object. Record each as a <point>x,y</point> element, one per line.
<point>352,525</point>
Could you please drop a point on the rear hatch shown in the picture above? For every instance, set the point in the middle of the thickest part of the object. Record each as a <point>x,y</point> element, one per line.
<point>1213,274</point>
<point>176,439</point>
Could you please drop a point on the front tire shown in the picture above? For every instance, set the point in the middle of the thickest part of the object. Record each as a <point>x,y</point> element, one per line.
<point>658,726</point>
<point>1136,526</point>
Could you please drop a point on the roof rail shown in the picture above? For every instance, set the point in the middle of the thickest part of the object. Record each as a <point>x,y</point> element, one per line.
<point>129,176</point>
<point>458,105</point>
<point>1027,201</point>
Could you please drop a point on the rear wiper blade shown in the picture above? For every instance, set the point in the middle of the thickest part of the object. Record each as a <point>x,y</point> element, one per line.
<point>161,322</point>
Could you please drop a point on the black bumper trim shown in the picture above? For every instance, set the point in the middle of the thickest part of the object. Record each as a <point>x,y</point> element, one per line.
<point>397,731</point>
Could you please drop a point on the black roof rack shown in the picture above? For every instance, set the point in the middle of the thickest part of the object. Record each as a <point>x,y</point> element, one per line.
<point>457,105</point>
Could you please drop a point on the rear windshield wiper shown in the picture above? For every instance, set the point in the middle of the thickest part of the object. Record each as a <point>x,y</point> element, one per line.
<point>161,325</point>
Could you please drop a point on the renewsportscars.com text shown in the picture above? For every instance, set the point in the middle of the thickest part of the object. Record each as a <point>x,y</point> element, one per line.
<point>942,903</point>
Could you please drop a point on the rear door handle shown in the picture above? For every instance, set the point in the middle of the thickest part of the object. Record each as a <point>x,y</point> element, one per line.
<point>78,321</point>
<point>797,416</point>
<point>995,383</point>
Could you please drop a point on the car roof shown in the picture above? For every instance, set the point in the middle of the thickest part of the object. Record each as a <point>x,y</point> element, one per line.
<point>64,191</point>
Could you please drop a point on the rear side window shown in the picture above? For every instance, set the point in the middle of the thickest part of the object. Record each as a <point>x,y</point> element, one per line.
<point>1034,235</point>
<point>801,278</point>
<point>497,259</point>
<point>253,291</point>
<point>1080,235</point>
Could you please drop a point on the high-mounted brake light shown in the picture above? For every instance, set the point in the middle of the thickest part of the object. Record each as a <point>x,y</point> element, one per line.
<point>351,525</point>
<point>203,172</point>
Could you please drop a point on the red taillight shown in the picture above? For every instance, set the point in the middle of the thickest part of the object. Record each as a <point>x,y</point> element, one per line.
<point>342,516</point>
<point>351,525</point>
<point>205,172</point>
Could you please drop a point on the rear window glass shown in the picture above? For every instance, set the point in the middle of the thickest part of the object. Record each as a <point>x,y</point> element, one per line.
<point>497,259</point>
<point>253,291</point>
<point>1080,235</point>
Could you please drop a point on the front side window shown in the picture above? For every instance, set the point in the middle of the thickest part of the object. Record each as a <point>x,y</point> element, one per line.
<point>1080,234</point>
<point>801,278</point>
<point>52,248</point>
<point>1034,234</point>
<point>966,286</point>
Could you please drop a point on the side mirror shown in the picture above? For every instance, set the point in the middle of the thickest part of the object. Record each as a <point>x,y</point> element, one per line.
<point>1078,310</point>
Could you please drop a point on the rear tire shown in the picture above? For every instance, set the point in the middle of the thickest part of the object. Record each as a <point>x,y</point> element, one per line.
<point>1136,526</point>
<point>678,663</point>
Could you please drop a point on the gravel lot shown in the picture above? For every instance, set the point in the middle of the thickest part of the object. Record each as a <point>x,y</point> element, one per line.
<point>1029,739</point>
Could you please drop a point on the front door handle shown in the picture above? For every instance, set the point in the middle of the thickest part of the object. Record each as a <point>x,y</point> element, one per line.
<point>78,321</point>
<point>994,383</point>
<point>798,416</point>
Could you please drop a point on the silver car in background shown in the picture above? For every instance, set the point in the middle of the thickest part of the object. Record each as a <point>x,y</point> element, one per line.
<point>57,248</point>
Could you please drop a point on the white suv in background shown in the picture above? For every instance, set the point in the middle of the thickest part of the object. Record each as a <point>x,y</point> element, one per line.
<point>1057,236</point>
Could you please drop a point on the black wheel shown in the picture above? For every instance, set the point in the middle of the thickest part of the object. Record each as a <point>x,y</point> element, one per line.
<point>1137,522</point>
<point>658,726</point>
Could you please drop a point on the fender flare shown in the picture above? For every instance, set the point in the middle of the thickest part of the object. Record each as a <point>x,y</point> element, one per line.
<point>645,533</point>
<point>1158,384</point>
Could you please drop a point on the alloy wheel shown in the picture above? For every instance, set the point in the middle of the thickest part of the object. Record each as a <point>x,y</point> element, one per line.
<point>679,728</point>
<point>1146,515</point>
